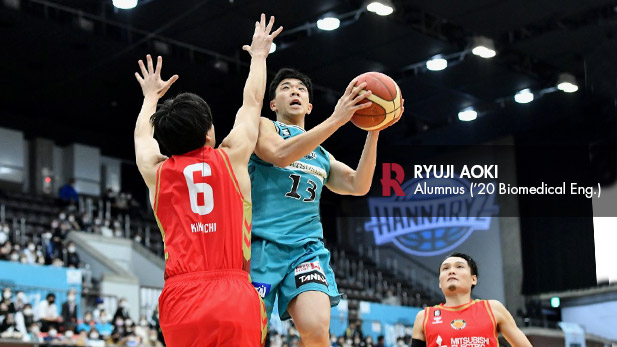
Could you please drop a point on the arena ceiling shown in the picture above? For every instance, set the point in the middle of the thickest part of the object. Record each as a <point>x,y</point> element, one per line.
<point>67,65</point>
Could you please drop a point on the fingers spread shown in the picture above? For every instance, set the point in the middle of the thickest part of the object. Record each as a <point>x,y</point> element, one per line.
<point>150,66</point>
<point>159,65</point>
<point>144,72</point>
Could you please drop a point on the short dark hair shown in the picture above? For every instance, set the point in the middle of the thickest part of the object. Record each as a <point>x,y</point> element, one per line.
<point>181,123</point>
<point>472,263</point>
<point>285,73</point>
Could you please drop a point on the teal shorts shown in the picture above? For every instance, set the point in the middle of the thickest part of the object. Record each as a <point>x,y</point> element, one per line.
<point>287,271</point>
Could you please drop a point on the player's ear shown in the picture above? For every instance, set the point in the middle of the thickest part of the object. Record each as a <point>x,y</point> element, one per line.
<point>310,108</point>
<point>273,106</point>
<point>474,280</point>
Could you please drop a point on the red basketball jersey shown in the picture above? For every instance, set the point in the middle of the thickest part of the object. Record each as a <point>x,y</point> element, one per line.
<point>469,325</point>
<point>203,217</point>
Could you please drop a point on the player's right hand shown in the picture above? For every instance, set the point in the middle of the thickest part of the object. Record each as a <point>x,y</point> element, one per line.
<point>262,39</point>
<point>350,102</point>
<point>151,82</point>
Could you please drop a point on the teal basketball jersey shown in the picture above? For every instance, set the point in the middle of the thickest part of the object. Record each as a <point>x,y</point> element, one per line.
<point>286,200</point>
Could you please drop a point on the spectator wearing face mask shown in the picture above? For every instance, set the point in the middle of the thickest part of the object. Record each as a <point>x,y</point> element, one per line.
<point>69,311</point>
<point>87,324</point>
<point>7,299</point>
<point>40,260</point>
<point>20,300</point>
<point>47,313</point>
<point>24,318</point>
<point>100,307</point>
<point>103,326</point>
<point>72,258</point>
<point>122,311</point>
<point>30,252</point>
<point>14,256</point>
<point>72,222</point>
<point>4,233</point>
<point>119,330</point>
<point>94,339</point>
<point>34,333</point>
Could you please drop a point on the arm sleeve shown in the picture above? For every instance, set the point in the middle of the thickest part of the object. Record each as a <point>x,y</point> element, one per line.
<point>418,343</point>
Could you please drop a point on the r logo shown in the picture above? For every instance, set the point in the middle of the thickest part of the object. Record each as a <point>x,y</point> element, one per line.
<point>387,182</point>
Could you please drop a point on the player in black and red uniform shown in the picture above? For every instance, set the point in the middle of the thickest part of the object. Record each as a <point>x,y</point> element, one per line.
<point>201,197</point>
<point>462,321</point>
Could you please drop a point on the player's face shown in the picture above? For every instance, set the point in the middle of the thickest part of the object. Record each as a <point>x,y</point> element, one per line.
<point>292,98</point>
<point>455,275</point>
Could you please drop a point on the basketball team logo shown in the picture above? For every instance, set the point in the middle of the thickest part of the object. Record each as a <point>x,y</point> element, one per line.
<point>434,216</point>
<point>458,324</point>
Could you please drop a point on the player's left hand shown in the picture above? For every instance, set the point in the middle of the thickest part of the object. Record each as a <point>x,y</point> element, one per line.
<point>262,39</point>
<point>150,78</point>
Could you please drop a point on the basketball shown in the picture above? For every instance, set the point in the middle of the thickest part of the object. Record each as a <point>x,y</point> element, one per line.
<point>387,101</point>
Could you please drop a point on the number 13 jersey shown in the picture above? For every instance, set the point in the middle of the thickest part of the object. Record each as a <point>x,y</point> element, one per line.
<point>286,199</point>
<point>204,220</point>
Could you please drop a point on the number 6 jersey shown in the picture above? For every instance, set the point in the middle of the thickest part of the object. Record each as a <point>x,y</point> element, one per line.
<point>203,217</point>
<point>286,199</point>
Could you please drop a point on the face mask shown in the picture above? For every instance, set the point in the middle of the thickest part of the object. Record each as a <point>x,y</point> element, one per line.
<point>104,319</point>
<point>3,237</point>
<point>31,247</point>
<point>7,295</point>
<point>6,229</point>
<point>128,322</point>
<point>14,257</point>
<point>41,260</point>
<point>34,331</point>
<point>71,297</point>
<point>137,239</point>
<point>143,323</point>
<point>119,323</point>
<point>52,333</point>
<point>23,260</point>
<point>100,306</point>
<point>21,296</point>
<point>94,336</point>
<point>47,236</point>
<point>28,311</point>
<point>72,249</point>
<point>69,334</point>
<point>71,219</point>
<point>62,216</point>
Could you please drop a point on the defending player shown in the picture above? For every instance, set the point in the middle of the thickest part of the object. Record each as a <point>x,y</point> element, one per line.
<point>201,197</point>
<point>288,172</point>
<point>461,321</point>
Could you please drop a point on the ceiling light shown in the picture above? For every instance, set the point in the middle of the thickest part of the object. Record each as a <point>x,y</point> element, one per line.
<point>524,96</point>
<point>273,47</point>
<point>381,7</point>
<point>483,47</point>
<point>567,83</point>
<point>328,23</point>
<point>468,114</point>
<point>437,63</point>
<point>125,4</point>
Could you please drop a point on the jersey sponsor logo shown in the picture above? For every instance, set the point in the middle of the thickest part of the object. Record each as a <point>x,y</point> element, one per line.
<point>309,266</point>
<point>285,132</point>
<point>439,340</point>
<point>470,341</point>
<point>262,289</point>
<point>437,320</point>
<point>204,228</point>
<point>313,276</point>
<point>458,324</point>
<point>437,313</point>
<point>311,156</point>
<point>316,171</point>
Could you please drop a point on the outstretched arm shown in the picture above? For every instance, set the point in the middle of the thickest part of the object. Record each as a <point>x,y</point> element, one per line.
<point>147,152</point>
<point>240,142</point>
<point>507,327</point>
<point>273,149</point>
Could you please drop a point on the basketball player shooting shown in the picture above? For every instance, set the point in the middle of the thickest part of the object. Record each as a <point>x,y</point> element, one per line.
<point>462,321</point>
<point>201,197</point>
<point>288,172</point>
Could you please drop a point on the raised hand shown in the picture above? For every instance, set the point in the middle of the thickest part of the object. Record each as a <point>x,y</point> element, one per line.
<point>262,38</point>
<point>150,78</point>
<point>349,103</point>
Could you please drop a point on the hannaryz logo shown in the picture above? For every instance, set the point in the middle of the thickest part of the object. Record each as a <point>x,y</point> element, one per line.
<point>458,324</point>
<point>429,224</point>
<point>262,288</point>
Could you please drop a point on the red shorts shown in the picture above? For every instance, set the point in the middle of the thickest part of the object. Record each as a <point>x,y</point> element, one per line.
<point>212,308</point>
